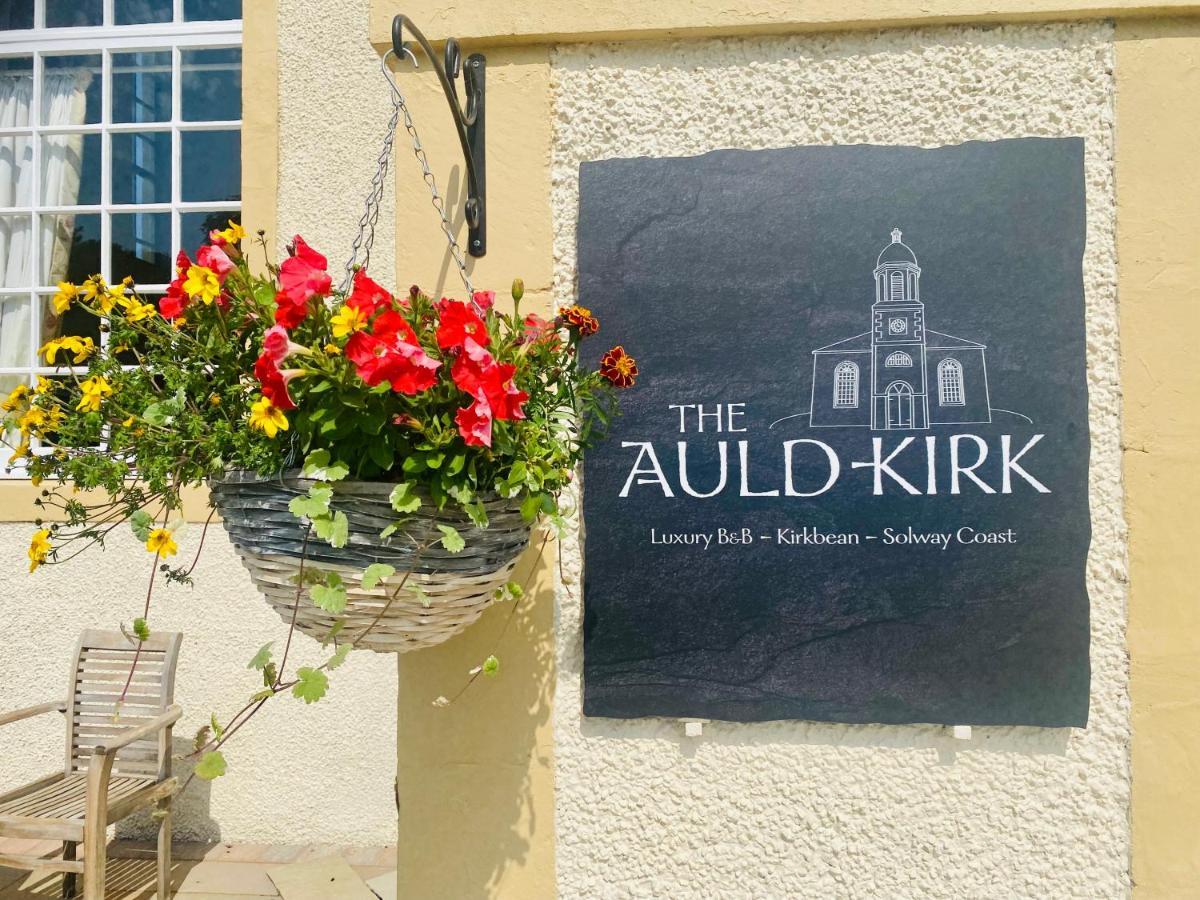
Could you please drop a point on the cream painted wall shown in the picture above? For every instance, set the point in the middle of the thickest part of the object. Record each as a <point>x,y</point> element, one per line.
<point>797,809</point>
<point>298,774</point>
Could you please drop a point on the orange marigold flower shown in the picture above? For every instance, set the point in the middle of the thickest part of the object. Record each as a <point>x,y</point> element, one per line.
<point>581,319</point>
<point>619,367</point>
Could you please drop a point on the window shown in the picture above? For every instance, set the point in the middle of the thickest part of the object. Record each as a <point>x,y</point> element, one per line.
<point>897,360</point>
<point>897,282</point>
<point>950,382</point>
<point>120,135</point>
<point>845,385</point>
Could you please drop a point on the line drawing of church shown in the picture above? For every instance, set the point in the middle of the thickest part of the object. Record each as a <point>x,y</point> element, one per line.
<point>900,374</point>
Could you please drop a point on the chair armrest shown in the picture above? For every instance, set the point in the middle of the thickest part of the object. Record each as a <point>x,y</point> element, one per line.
<point>169,717</point>
<point>30,711</point>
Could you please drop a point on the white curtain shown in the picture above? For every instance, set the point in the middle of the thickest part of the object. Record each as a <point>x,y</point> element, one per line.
<point>64,101</point>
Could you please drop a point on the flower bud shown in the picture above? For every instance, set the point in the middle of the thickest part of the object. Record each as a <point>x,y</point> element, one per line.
<point>518,289</point>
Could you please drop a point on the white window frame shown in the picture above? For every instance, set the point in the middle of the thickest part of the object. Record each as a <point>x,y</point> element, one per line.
<point>951,390</point>
<point>898,360</point>
<point>105,40</point>
<point>849,368</point>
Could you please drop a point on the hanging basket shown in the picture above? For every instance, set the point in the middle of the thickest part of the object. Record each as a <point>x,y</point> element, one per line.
<point>457,587</point>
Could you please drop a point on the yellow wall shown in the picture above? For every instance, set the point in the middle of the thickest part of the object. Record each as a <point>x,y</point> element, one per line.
<point>1158,245</point>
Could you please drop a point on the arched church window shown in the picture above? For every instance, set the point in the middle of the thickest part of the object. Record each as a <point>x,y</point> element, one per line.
<point>898,360</point>
<point>950,382</point>
<point>845,385</point>
<point>897,279</point>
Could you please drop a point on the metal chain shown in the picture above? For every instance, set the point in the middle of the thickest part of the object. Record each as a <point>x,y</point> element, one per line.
<point>366,225</point>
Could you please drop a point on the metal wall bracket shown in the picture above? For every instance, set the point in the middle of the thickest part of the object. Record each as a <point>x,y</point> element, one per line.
<point>468,121</point>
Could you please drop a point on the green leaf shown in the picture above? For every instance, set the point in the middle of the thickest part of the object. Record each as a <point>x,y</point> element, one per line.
<point>518,472</point>
<point>317,465</point>
<point>333,632</point>
<point>141,522</point>
<point>405,499</point>
<point>211,765</point>
<point>456,463</point>
<point>261,658</point>
<point>381,454</point>
<point>413,464</point>
<point>477,514</point>
<point>390,530</point>
<point>515,590</point>
<point>530,507</point>
<point>339,657</point>
<point>451,539</point>
<point>311,684</point>
<point>460,492</point>
<point>314,504</point>
<point>201,738</point>
<point>264,694</point>
<point>375,573</point>
<point>335,529</point>
<point>141,629</point>
<point>435,460</point>
<point>330,596</point>
<point>270,675</point>
<point>491,666</point>
<point>217,730</point>
<point>419,593</point>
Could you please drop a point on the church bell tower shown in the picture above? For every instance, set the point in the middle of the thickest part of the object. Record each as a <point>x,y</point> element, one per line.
<point>899,397</point>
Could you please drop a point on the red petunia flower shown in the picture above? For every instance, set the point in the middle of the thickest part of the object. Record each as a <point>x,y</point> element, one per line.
<point>390,352</point>
<point>457,323</point>
<point>475,424</point>
<point>303,275</point>
<point>484,300</point>
<point>216,259</point>
<point>290,309</point>
<point>476,372</point>
<point>175,302</point>
<point>539,331</point>
<point>274,384</point>
<point>367,296</point>
<point>619,367</point>
<point>581,319</point>
<point>279,346</point>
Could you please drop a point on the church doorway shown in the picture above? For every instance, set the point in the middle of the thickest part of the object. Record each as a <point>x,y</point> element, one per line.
<point>899,405</point>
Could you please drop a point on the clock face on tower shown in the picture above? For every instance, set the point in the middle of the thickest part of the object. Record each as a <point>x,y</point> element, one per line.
<point>897,326</point>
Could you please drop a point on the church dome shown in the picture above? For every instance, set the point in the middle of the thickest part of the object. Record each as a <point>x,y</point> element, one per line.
<point>897,251</point>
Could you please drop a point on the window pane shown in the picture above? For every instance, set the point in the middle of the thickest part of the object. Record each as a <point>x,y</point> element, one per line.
<point>212,165</point>
<point>16,163</point>
<point>67,13</point>
<point>212,85</point>
<point>15,263</point>
<point>70,248</point>
<point>142,87</point>
<point>200,10</point>
<point>137,12</point>
<point>141,167</point>
<point>15,334</point>
<point>71,90</point>
<point>195,226</point>
<point>70,169</point>
<point>15,14</point>
<point>142,247</point>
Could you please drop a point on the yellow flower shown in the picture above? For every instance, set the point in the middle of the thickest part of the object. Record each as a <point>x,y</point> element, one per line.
<point>348,320</point>
<point>39,548</point>
<point>332,349</point>
<point>233,234</point>
<point>81,347</point>
<point>202,283</point>
<point>32,421</point>
<point>19,452</point>
<point>66,293</point>
<point>267,418</point>
<point>95,390</point>
<point>136,310</point>
<point>18,397</point>
<point>161,542</point>
<point>93,288</point>
<point>44,385</point>
<point>129,421</point>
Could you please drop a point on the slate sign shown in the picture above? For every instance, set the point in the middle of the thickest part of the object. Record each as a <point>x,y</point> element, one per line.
<point>851,483</point>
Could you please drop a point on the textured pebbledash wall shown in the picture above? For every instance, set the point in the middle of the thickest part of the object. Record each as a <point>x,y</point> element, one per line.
<point>796,809</point>
<point>299,774</point>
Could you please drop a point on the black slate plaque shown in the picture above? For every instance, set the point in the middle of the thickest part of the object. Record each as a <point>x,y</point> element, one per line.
<point>851,483</point>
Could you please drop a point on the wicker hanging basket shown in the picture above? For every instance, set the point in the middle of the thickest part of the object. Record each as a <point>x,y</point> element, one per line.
<point>457,587</point>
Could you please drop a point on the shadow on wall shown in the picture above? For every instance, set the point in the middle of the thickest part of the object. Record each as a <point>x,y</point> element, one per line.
<point>1026,741</point>
<point>477,773</point>
<point>191,811</point>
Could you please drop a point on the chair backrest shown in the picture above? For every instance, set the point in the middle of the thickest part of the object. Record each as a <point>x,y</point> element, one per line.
<point>98,676</point>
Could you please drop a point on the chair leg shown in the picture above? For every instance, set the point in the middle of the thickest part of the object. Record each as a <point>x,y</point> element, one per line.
<point>68,884</point>
<point>164,848</point>
<point>94,839</point>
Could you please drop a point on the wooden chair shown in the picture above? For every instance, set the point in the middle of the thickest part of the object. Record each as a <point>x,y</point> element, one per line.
<point>115,764</point>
